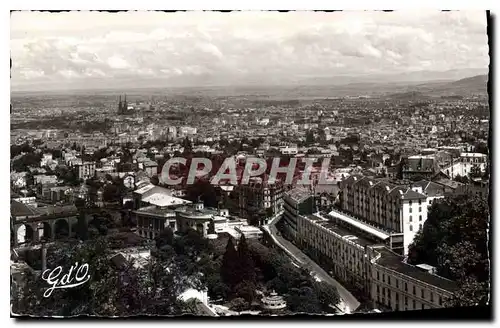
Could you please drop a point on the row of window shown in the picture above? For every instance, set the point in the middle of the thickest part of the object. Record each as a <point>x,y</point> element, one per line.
<point>419,209</point>
<point>419,218</point>
<point>423,294</point>
<point>419,227</point>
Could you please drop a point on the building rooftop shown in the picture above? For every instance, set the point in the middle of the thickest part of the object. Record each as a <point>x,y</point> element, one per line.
<point>341,231</point>
<point>20,209</point>
<point>449,183</point>
<point>191,211</point>
<point>380,234</point>
<point>156,211</point>
<point>473,155</point>
<point>393,261</point>
<point>431,189</point>
<point>299,195</point>
<point>144,189</point>
<point>163,200</point>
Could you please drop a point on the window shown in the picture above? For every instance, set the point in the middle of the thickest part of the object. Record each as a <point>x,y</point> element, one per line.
<point>423,306</point>
<point>411,219</point>
<point>414,304</point>
<point>406,287</point>
<point>411,209</point>
<point>420,217</point>
<point>420,209</point>
<point>411,203</point>
<point>389,280</point>
<point>397,283</point>
<point>397,298</point>
<point>406,300</point>
<point>414,291</point>
<point>420,226</point>
<point>383,277</point>
<point>440,300</point>
<point>432,297</point>
<point>423,293</point>
<point>411,228</point>
<point>378,289</point>
<point>378,275</point>
<point>419,202</point>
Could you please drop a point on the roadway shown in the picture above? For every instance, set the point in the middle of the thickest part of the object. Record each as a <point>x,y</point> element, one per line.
<point>349,301</point>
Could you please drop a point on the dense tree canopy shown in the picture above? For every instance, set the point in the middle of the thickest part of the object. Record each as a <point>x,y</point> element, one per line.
<point>111,290</point>
<point>455,240</point>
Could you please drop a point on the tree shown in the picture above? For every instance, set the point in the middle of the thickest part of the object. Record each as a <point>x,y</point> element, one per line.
<point>309,137</point>
<point>246,266</point>
<point>202,190</point>
<point>111,290</point>
<point>111,193</point>
<point>481,147</point>
<point>188,146</point>
<point>23,163</point>
<point>327,294</point>
<point>229,267</point>
<point>461,179</point>
<point>166,237</point>
<point>475,172</point>
<point>238,305</point>
<point>454,240</point>
<point>245,290</point>
<point>303,300</point>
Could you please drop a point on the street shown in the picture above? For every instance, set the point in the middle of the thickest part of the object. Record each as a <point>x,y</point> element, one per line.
<point>348,299</point>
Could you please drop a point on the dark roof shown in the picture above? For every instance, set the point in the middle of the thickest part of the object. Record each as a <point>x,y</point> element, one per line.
<point>411,194</point>
<point>420,164</point>
<point>299,195</point>
<point>393,261</point>
<point>341,231</point>
<point>20,209</point>
<point>430,188</point>
<point>448,183</point>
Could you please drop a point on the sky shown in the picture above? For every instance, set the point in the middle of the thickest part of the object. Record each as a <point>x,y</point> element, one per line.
<point>98,49</point>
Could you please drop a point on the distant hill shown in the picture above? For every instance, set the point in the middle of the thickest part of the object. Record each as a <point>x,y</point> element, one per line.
<point>475,85</point>
<point>412,85</point>
<point>474,82</point>
<point>410,95</point>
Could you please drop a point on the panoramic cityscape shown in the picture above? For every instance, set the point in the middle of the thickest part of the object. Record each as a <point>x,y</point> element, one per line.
<point>249,163</point>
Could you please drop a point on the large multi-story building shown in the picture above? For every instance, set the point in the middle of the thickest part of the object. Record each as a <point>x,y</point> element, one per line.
<point>419,166</point>
<point>259,195</point>
<point>466,164</point>
<point>209,222</point>
<point>399,211</point>
<point>370,267</point>
<point>397,285</point>
<point>86,170</point>
<point>298,201</point>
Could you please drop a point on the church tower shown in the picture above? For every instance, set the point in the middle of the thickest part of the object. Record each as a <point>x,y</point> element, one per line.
<point>125,105</point>
<point>120,112</point>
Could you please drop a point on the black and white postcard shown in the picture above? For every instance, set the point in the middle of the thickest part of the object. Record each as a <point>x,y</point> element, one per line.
<point>252,163</point>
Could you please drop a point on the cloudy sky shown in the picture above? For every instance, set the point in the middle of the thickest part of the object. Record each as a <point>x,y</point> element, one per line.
<point>94,49</point>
